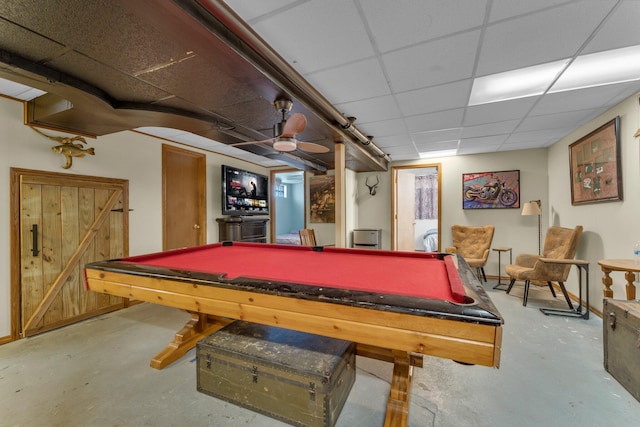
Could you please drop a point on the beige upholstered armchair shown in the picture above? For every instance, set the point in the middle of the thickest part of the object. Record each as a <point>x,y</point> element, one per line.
<point>473,244</point>
<point>559,243</point>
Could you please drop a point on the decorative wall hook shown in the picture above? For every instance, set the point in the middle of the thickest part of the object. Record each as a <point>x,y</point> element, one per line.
<point>68,148</point>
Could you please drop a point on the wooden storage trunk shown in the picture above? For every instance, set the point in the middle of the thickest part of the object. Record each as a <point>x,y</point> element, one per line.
<point>298,378</point>
<point>622,343</point>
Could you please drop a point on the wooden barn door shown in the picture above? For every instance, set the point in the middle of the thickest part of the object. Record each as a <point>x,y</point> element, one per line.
<point>65,221</point>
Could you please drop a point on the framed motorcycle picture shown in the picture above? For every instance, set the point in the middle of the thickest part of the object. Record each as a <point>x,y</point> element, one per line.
<point>491,190</point>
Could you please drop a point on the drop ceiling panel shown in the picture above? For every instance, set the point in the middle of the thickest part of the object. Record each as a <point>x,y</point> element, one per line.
<point>539,38</point>
<point>437,146</point>
<point>317,34</point>
<point>584,99</point>
<point>619,30</point>
<point>395,141</point>
<point>431,63</point>
<point>433,121</point>
<point>537,135</point>
<point>436,98</point>
<point>250,9</point>
<point>375,109</point>
<point>488,129</point>
<point>416,21</point>
<point>352,82</point>
<point>501,10</point>
<point>499,111</point>
<point>436,136</point>
<point>385,127</point>
<point>402,150</point>
<point>493,140</point>
<point>552,121</point>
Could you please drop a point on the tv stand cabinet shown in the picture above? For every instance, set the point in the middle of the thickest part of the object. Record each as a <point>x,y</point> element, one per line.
<point>242,229</point>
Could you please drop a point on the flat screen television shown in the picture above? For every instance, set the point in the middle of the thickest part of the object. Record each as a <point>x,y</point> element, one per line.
<point>244,192</point>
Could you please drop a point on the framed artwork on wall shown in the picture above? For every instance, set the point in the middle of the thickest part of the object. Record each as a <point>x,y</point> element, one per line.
<point>595,166</point>
<point>491,190</point>
<point>322,190</point>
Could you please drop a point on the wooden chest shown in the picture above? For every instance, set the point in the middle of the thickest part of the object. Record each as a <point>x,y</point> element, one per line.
<point>621,326</point>
<point>298,378</point>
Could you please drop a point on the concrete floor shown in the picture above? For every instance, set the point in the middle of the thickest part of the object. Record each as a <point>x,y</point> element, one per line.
<point>96,373</point>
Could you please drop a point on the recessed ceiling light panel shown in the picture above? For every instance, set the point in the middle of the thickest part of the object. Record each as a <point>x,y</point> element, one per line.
<point>521,83</point>
<point>599,69</point>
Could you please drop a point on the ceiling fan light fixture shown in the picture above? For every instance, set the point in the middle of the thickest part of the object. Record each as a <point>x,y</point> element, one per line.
<point>284,144</point>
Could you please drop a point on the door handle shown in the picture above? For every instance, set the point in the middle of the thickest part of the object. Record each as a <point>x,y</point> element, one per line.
<point>34,232</point>
<point>196,227</point>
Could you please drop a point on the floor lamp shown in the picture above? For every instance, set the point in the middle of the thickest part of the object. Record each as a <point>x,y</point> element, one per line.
<point>533,208</point>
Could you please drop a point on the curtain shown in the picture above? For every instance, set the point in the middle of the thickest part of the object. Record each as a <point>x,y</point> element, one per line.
<point>426,197</point>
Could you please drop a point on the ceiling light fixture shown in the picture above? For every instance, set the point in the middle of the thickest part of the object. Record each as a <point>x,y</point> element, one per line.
<point>515,84</point>
<point>440,153</point>
<point>592,70</point>
<point>284,144</point>
<point>599,69</point>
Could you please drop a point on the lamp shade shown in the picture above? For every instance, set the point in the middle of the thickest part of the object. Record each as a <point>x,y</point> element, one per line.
<point>531,208</point>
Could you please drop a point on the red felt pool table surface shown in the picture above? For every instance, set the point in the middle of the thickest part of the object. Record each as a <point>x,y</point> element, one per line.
<point>412,274</point>
<point>397,306</point>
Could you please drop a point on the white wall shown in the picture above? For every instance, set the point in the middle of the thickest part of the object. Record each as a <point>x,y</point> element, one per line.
<point>512,229</point>
<point>610,228</point>
<point>374,211</point>
<point>125,155</point>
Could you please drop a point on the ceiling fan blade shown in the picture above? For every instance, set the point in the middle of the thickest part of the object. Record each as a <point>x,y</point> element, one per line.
<point>311,147</point>
<point>294,125</point>
<point>265,141</point>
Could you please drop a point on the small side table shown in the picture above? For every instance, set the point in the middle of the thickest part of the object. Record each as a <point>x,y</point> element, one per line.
<point>628,266</point>
<point>501,249</point>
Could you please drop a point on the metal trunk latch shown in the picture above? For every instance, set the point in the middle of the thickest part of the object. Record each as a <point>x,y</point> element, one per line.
<point>208,361</point>
<point>612,320</point>
<point>254,374</point>
<point>312,391</point>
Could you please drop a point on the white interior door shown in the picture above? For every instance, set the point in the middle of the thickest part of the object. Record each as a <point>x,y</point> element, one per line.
<point>405,211</point>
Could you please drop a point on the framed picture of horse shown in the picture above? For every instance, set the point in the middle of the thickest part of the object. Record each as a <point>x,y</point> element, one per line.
<point>491,190</point>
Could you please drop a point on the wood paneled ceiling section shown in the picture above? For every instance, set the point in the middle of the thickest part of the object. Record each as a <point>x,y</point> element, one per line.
<point>128,64</point>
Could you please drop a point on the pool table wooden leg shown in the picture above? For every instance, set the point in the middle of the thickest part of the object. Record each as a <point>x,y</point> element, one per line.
<point>198,327</point>
<point>398,404</point>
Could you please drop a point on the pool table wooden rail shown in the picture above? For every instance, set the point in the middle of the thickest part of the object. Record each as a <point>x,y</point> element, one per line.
<point>465,342</point>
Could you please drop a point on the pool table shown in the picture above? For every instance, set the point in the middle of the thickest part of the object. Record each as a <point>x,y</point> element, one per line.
<point>397,306</point>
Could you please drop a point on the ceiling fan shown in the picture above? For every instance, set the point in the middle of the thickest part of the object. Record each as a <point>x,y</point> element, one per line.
<point>286,130</point>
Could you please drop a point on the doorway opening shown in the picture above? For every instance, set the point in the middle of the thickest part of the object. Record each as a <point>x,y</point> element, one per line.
<point>288,202</point>
<point>416,207</point>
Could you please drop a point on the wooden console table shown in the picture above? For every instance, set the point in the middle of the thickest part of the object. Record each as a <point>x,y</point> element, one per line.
<point>630,268</point>
<point>242,229</point>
